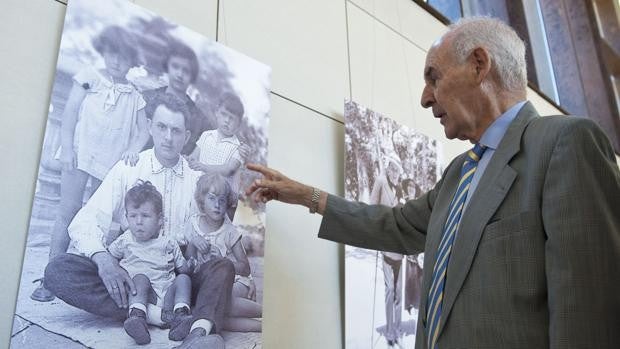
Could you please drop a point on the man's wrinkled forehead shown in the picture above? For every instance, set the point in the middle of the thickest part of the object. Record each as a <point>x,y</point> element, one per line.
<point>436,50</point>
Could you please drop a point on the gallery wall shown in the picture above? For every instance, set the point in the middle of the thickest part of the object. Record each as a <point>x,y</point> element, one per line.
<point>321,52</point>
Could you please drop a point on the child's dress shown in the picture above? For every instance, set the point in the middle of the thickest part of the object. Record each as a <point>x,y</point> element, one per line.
<point>222,242</point>
<point>155,258</point>
<point>107,122</point>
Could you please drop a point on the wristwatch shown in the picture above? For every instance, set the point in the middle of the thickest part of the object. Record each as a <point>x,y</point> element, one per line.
<point>314,202</point>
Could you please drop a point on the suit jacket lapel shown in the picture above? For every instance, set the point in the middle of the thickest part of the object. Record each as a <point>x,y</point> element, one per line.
<point>491,191</point>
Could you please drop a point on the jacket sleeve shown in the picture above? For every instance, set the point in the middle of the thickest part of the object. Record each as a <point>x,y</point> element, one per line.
<point>581,218</point>
<point>401,229</point>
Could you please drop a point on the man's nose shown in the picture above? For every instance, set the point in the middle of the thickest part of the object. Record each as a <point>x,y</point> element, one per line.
<point>168,134</point>
<point>428,98</point>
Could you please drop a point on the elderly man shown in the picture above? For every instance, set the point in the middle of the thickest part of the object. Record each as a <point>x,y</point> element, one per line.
<point>521,234</point>
<point>91,279</point>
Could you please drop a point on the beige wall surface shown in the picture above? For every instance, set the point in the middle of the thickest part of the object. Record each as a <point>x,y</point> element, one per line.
<point>321,52</point>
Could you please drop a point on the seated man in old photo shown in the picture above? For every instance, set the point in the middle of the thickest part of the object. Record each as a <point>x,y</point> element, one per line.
<point>90,278</point>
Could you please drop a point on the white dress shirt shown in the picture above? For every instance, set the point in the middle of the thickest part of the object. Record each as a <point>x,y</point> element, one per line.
<point>95,225</point>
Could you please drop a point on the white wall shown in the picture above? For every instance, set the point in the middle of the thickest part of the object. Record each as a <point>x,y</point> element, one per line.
<point>321,52</point>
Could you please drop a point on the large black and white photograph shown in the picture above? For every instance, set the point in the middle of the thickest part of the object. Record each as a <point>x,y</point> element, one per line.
<point>388,164</point>
<point>141,234</point>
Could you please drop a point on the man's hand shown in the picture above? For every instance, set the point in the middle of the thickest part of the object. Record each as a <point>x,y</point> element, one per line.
<point>115,278</point>
<point>276,186</point>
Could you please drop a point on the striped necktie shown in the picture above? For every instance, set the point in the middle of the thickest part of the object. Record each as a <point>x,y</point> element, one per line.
<point>435,295</point>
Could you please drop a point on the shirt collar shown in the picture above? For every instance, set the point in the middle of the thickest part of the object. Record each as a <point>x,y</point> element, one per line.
<point>494,133</point>
<point>157,167</point>
<point>232,139</point>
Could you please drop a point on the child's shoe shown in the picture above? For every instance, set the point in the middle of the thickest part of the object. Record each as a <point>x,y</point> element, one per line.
<point>180,324</point>
<point>136,326</point>
<point>167,316</point>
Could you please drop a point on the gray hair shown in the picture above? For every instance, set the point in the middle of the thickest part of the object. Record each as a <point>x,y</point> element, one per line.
<point>506,49</point>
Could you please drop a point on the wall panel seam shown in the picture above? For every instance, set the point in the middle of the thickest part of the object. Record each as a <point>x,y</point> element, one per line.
<point>387,26</point>
<point>346,18</point>
<point>307,107</point>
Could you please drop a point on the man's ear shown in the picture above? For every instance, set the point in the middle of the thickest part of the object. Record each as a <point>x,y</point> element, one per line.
<point>187,135</point>
<point>149,123</point>
<point>481,62</point>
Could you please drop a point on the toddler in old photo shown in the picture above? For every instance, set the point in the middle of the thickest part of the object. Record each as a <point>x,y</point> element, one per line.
<point>151,261</point>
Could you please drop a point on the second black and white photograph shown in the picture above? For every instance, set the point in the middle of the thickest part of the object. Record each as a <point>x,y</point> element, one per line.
<point>387,164</point>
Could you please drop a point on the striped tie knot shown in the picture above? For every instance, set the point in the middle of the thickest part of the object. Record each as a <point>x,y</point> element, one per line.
<point>476,152</point>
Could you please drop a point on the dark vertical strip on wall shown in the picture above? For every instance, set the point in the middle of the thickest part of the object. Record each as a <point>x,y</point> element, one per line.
<point>563,57</point>
<point>594,74</point>
<point>516,18</point>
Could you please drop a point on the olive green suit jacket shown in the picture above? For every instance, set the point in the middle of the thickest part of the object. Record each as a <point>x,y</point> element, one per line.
<point>536,261</point>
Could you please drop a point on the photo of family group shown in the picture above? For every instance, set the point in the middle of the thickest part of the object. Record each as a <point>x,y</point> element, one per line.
<point>388,164</point>
<point>140,232</point>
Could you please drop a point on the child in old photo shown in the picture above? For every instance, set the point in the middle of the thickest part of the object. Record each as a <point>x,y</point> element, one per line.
<point>211,235</point>
<point>103,122</point>
<point>220,151</point>
<point>181,67</point>
<point>151,261</point>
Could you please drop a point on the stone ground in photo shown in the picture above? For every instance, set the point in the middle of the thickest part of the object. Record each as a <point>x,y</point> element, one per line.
<point>56,325</point>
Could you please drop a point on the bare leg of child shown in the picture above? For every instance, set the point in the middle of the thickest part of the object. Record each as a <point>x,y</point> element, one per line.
<point>243,307</point>
<point>72,184</point>
<point>241,324</point>
<point>183,291</point>
<point>243,311</point>
<point>135,325</point>
<point>240,290</point>
<point>167,310</point>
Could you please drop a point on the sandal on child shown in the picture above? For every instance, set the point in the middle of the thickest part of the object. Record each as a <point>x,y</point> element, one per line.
<point>42,294</point>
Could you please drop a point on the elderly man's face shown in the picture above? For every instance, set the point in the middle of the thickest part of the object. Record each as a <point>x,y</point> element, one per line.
<point>169,135</point>
<point>450,90</point>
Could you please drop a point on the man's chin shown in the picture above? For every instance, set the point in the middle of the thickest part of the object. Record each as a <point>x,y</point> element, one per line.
<point>449,134</point>
<point>165,154</point>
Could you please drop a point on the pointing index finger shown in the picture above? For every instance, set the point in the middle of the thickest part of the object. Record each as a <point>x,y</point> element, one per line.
<point>265,171</point>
